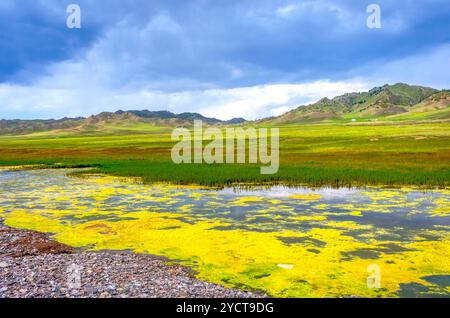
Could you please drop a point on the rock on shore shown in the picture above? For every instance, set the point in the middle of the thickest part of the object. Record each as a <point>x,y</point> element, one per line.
<point>33,265</point>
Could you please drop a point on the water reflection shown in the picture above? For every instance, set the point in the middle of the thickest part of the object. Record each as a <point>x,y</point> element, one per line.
<point>287,241</point>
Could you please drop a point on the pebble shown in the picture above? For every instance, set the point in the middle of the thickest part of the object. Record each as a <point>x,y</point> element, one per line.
<point>105,274</point>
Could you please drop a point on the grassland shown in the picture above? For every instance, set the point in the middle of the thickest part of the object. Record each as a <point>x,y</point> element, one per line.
<point>315,154</point>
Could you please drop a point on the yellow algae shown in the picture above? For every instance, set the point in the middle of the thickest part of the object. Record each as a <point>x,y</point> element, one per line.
<point>309,218</point>
<point>348,206</point>
<point>220,256</point>
<point>246,200</point>
<point>352,213</point>
<point>163,199</point>
<point>32,221</point>
<point>186,208</point>
<point>20,167</point>
<point>285,247</point>
<point>383,194</point>
<point>275,201</point>
<point>214,203</point>
<point>443,206</point>
<point>305,196</point>
<point>228,256</point>
<point>177,194</point>
<point>348,225</point>
<point>195,195</point>
<point>442,211</point>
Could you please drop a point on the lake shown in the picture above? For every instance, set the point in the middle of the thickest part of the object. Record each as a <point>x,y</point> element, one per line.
<point>285,241</point>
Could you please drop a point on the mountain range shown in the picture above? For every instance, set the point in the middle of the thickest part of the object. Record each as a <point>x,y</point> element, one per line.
<point>386,103</point>
<point>118,118</point>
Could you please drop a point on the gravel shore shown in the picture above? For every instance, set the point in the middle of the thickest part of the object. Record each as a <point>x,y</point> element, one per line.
<point>33,265</point>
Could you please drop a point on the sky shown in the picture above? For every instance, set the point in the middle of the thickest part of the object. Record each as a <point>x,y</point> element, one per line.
<point>221,58</point>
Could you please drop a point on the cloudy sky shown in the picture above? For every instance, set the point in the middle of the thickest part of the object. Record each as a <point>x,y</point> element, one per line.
<point>222,58</point>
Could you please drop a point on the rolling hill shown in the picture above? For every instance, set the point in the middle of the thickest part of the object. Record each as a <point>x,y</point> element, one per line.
<point>124,121</point>
<point>399,102</point>
<point>388,102</point>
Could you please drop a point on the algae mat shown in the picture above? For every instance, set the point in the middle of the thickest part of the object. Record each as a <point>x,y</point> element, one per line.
<point>287,242</point>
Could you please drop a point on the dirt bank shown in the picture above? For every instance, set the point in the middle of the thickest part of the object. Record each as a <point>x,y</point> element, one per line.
<point>34,265</point>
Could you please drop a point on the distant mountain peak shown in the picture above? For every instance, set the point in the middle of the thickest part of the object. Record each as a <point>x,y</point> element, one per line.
<point>399,99</point>
<point>379,101</point>
<point>121,118</point>
<point>325,100</point>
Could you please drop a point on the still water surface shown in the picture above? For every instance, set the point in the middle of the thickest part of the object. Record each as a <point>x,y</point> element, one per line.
<point>296,242</point>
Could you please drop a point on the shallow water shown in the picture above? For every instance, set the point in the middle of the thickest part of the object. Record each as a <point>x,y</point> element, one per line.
<point>285,241</point>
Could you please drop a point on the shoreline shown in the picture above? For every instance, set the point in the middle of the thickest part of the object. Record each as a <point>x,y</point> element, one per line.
<point>79,173</point>
<point>32,265</point>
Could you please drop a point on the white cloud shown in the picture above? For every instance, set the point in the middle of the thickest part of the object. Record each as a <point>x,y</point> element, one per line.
<point>127,55</point>
<point>137,68</point>
<point>428,68</point>
<point>266,100</point>
<point>279,110</point>
<point>126,70</point>
<point>328,11</point>
<point>286,11</point>
<point>249,102</point>
<point>79,92</point>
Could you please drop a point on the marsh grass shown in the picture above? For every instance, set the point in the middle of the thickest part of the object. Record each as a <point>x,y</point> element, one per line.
<point>316,155</point>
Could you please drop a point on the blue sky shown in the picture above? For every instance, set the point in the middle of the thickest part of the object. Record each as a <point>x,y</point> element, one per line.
<point>222,58</point>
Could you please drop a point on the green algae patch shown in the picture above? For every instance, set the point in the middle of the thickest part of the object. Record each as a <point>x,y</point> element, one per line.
<point>287,242</point>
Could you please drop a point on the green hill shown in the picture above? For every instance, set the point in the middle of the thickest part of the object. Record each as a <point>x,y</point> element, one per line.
<point>399,102</point>
<point>379,103</point>
<point>122,122</point>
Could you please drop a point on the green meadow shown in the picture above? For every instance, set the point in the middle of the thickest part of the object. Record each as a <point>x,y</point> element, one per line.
<point>334,154</point>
